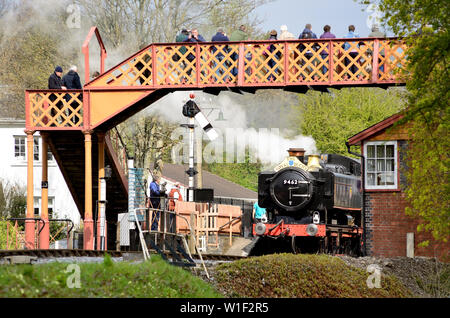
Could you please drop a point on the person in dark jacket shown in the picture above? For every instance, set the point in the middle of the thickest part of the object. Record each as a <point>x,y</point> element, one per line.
<point>155,200</point>
<point>193,37</point>
<point>272,63</point>
<point>219,37</point>
<point>55,81</point>
<point>306,51</point>
<point>72,80</point>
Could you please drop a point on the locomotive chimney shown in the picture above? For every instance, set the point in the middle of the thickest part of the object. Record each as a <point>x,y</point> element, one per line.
<point>297,152</point>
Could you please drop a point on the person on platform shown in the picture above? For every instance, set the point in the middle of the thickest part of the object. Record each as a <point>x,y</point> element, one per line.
<point>174,195</point>
<point>155,201</point>
<point>259,214</point>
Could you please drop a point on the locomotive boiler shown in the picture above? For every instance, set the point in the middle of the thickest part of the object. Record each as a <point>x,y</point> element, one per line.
<point>313,204</point>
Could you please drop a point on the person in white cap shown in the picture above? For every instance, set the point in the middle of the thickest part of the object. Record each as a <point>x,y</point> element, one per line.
<point>285,35</point>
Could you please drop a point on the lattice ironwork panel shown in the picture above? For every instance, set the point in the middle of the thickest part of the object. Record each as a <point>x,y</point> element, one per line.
<point>352,60</point>
<point>308,62</point>
<point>392,58</point>
<point>137,71</point>
<point>219,63</point>
<point>55,109</point>
<point>264,63</point>
<point>176,64</point>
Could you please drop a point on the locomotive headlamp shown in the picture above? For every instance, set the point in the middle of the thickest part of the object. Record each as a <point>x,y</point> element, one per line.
<point>316,217</point>
<point>312,229</point>
<point>260,228</point>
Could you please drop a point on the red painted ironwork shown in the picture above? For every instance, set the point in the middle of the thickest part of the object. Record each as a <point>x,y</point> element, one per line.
<point>258,64</point>
<point>85,50</point>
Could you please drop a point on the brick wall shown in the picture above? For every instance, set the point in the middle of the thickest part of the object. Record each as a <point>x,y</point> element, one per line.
<point>387,225</point>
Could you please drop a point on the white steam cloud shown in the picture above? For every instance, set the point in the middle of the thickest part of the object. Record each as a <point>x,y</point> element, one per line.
<point>268,145</point>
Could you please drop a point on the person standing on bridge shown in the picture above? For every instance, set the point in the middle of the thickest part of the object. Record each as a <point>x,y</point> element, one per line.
<point>238,36</point>
<point>55,82</point>
<point>376,33</point>
<point>285,34</point>
<point>193,37</point>
<point>326,35</point>
<point>277,56</point>
<point>181,51</point>
<point>220,37</point>
<point>72,80</point>
<point>307,52</point>
<point>354,51</point>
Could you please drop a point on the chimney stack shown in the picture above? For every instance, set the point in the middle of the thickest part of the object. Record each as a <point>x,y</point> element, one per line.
<point>297,152</point>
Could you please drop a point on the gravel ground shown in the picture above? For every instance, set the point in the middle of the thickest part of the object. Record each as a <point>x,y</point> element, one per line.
<point>422,275</point>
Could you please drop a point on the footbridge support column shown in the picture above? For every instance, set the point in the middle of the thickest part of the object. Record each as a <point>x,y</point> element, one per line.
<point>30,224</point>
<point>44,237</point>
<point>88,236</point>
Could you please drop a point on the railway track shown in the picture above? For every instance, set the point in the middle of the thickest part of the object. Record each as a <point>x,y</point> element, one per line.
<point>126,255</point>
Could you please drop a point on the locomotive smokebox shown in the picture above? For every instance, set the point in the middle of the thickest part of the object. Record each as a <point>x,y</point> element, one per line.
<point>297,152</point>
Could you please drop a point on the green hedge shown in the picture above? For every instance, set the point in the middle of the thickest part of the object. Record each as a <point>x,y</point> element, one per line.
<point>155,278</point>
<point>289,275</point>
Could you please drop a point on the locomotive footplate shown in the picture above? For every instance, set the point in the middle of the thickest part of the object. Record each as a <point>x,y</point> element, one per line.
<point>345,230</point>
<point>281,229</point>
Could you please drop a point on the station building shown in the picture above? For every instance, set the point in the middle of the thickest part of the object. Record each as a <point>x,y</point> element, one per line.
<point>389,231</point>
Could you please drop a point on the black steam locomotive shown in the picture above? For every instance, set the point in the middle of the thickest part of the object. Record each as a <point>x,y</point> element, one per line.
<point>313,204</point>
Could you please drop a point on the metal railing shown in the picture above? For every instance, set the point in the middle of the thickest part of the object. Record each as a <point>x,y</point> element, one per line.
<point>15,234</point>
<point>261,63</point>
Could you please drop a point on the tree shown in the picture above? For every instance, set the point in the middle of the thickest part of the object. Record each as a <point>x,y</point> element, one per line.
<point>426,25</point>
<point>147,140</point>
<point>136,23</point>
<point>12,200</point>
<point>29,52</point>
<point>332,118</point>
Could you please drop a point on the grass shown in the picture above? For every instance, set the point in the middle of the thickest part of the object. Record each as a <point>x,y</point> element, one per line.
<point>289,275</point>
<point>155,278</point>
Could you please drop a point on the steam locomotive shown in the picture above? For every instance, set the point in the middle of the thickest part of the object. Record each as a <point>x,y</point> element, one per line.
<point>313,204</point>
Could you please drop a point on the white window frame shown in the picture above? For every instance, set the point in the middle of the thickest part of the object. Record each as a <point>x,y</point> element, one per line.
<point>24,157</point>
<point>37,144</point>
<point>381,187</point>
<point>37,204</point>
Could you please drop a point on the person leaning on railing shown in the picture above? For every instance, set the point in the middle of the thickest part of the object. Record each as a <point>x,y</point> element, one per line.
<point>354,52</point>
<point>238,36</point>
<point>55,82</point>
<point>219,37</point>
<point>326,35</point>
<point>193,37</point>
